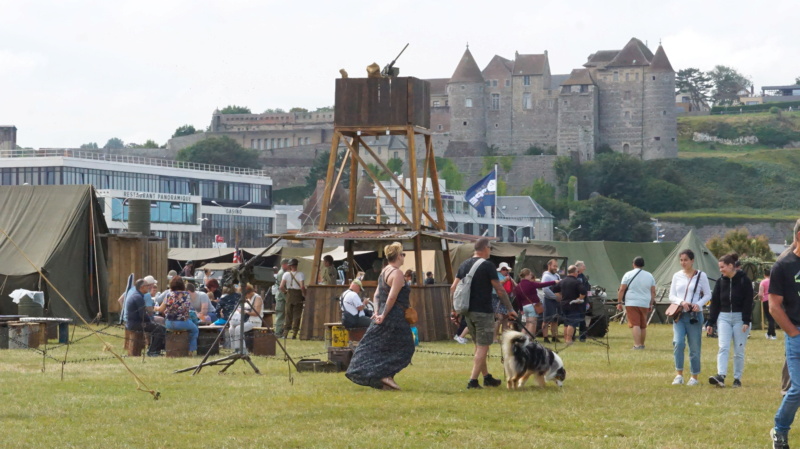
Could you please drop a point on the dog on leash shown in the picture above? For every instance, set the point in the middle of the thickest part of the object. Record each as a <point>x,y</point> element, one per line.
<point>524,357</point>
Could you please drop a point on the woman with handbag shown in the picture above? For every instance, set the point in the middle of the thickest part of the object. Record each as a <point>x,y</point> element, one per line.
<point>688,293</point>
<point>731,311</point>
<point>387,346</point>
<point>528,298</point>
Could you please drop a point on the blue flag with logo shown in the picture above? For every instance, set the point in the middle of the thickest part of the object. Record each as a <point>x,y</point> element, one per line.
<point>482,193</point>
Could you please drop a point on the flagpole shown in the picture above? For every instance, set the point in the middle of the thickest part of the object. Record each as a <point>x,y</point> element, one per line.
<point>496,194</point>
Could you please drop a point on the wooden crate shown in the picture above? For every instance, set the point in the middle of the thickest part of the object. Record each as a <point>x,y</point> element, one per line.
<point>400,101</point>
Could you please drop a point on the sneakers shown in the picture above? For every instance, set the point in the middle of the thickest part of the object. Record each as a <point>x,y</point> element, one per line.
<point>718,380</point>
<point>638,347</point>
<point>772,337</point>
<point>546,339</point>
<point>767,335</point>
<point>473,383</point>
<point>460,340</point>
<point>737,383</point>
<point>693,382</point>
<point>779,440</point>
<point>678,380</point>
<point>489,381</point>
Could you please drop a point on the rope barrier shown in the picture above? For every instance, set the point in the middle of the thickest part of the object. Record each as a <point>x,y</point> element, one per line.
<point>106,346</point>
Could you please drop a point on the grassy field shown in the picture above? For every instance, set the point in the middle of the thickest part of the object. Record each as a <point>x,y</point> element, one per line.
<point>627,403</point>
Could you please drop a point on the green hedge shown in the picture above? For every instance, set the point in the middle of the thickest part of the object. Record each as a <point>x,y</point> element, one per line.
<point>765,107</point>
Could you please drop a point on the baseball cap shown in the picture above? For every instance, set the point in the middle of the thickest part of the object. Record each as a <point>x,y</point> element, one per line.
<point>150,280</point>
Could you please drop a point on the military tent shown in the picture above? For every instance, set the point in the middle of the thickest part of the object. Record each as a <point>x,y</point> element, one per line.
<point>703,261</point>
<point>58,228</point>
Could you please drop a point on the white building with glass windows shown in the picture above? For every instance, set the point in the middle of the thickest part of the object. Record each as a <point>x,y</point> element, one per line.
<point>190,205</point>
<point>519,218</point>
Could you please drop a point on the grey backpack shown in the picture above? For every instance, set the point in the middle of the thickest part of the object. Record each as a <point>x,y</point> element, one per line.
<point>461,295</point>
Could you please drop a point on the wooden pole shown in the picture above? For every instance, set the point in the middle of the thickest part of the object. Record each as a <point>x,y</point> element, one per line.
<point>411,156</point>
<point>351,213</point>
<point>437,199</point>
<point>326,202</point>
<point>382,188</point>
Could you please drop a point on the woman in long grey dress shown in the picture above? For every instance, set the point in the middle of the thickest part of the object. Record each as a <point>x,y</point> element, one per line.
<point>388,345</point>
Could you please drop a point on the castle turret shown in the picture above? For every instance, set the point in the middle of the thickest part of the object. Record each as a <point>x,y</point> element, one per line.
<point>578,116</point>
<point>660,126</point>
<point>467,108</point>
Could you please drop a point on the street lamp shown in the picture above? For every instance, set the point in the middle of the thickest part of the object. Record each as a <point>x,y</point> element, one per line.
<point>567,233</point>
<point>516,230</point>
<point>657,227</point>
<point>230,217</point>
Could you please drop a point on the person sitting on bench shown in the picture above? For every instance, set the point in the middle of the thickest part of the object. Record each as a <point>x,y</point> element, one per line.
<point>140,321</point>
<point>353,314</point>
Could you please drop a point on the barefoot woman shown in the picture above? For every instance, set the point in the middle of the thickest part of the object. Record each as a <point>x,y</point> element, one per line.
<point>387,346</point>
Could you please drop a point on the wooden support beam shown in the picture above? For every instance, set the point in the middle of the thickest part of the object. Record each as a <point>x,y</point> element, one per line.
<point>351,212</point>
<point>381,187</point>
<point>387,170</point>
<point>326,202</point>
<point>411,155</point>
<point>437,199</point>
<point>339,174</point>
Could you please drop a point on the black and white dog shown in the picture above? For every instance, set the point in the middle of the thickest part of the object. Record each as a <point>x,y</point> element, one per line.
<point>524,357</point>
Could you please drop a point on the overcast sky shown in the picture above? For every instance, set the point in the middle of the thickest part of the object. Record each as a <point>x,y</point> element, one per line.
<point>73,72</point>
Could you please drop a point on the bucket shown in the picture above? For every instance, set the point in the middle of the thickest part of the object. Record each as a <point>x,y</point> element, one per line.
<point>29,307</point>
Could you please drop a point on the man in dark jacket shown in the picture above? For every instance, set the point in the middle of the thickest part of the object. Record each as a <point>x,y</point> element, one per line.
<point>138,319</point>
<point>573,294</point>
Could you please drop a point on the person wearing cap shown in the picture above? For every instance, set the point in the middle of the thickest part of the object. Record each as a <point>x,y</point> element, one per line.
<point>280,297</point>
<point>139,320</point>
<point>294,287</point>
<point>188,269</point>
<point>500,310</point>
<point>353,314</point>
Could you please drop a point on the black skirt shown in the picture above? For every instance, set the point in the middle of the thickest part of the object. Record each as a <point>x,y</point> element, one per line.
<point>384,350</point>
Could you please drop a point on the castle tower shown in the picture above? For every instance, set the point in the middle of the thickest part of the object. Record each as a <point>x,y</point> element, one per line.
<point>467,109</point>
<point>660,125</point>
<point>578,116</point>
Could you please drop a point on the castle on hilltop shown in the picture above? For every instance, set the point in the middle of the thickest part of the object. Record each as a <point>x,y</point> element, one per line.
<point>623,99</point>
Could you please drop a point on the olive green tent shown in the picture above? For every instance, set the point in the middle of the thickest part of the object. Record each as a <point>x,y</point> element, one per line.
<point>606,262</point>
<point>57,228</point>
<point>703,261</point>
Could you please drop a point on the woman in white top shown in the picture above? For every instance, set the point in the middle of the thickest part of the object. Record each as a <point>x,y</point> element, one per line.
<point>689,289</point>
<point>252,313</point>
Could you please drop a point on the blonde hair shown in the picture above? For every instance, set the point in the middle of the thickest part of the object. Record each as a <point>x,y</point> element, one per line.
<point>392,251</point>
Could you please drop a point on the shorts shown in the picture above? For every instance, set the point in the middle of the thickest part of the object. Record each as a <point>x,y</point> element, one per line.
<point>552,309</point>
<point>573,319</point>
<point>481,327</point>
<point>529,312</point>
<point>637,316</point>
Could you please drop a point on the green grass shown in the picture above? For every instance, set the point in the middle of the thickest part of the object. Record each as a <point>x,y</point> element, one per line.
<point>628,403</point>
<point>728,217</point>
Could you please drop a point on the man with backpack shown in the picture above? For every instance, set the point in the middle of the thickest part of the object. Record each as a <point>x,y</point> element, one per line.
<point>478,276</point>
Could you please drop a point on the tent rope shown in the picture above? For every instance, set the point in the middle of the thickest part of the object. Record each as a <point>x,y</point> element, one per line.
<point>140,384</point>
<point>92,218</point>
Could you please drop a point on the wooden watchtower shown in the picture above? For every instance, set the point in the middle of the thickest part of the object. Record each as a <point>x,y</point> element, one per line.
<point>394,106</point>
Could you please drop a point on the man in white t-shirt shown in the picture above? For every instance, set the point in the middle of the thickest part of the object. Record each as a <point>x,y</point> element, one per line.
<point>353,315</point>
<point>638,287</point>
<point>294,287</point>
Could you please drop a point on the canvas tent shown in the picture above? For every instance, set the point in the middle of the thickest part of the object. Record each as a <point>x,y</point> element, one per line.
<point>606,262</point>
<point>58,228</point>
<point>703,261</point>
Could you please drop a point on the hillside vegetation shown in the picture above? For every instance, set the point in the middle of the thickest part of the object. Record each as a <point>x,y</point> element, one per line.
<point>773,130</point>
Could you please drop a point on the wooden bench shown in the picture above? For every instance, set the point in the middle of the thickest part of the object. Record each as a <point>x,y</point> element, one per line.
<point>134,342</point>
<point>177,343</point>
<point>263,341</point>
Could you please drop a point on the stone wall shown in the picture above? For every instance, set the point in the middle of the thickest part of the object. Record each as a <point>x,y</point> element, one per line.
<point>776,232</point>
<point>660,121</point>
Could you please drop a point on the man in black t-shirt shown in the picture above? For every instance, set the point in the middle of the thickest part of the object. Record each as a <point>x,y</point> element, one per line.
<point>573,294</point>
<point>784,306</point>
<point>480,318</point>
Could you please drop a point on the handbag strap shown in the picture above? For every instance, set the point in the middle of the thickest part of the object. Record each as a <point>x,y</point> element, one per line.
<point>629,284</point>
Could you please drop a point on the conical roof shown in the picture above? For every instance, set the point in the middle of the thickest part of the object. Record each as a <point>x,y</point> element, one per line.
<point>634,54</point>
<point>704,261</point>
<point>467,70</point>
<point>660,61</point>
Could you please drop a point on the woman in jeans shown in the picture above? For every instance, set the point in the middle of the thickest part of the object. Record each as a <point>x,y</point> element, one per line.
<point>689,289</point>
<point>527,297</point>
<point>176,308</point>
<point>731,310</point>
